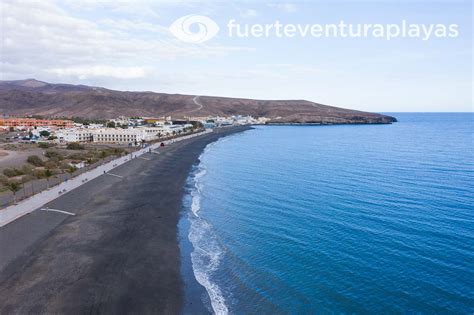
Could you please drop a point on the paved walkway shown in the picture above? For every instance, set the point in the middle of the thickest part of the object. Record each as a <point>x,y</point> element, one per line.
<point>28,205</point>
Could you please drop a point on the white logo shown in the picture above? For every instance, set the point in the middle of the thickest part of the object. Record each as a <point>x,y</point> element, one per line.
<point>181,28</point>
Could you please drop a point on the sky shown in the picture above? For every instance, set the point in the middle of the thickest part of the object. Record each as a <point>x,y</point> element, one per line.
<point>127,45</point>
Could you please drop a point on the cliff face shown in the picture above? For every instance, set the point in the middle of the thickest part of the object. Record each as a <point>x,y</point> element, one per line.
<point>32,97</point>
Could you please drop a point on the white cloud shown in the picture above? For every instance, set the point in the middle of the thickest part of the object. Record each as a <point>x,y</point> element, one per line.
<point>248,13</point>
<point>132,26</point>
<point>286,7</point>
<point>85,72</point>
<point>131,8</point>
<point>42,39</point>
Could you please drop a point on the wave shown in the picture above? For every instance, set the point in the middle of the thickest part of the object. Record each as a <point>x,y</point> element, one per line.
<point>196,192</point>
<point>207,252</point>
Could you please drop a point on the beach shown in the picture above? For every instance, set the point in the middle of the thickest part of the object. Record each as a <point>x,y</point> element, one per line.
<point>118,253</point>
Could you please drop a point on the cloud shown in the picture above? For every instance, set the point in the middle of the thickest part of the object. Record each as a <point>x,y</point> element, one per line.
<point>43,39</point>
<point>286,7</point>
<point>131,26</point>
<point>131,8</point>
<point>248,13</point>
<point>85,72</point>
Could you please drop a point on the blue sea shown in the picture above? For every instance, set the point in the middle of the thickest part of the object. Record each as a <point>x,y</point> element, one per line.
<point>336,219</point>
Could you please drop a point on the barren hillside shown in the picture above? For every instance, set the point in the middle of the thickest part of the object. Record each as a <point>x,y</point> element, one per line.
<point>32,97</point>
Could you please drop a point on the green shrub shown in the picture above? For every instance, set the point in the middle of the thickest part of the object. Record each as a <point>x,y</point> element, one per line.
<point>91,161</point>
<point>9,172</point>
<point>3,179</point>
<point>39,174</point>
<point>78,156</point>
<point>14,187</point>
<point>44,133</point>
<point>50,165</point>
<point>27,169</point>
<point>118,151</point>
<point>54,155</point>
<point>48,173</point>
<point>12,172</point>
<point>43,145</point>
<point>64,165</point>
<point>71,169</point>
<point>35,160</point>
<point>74,146</point>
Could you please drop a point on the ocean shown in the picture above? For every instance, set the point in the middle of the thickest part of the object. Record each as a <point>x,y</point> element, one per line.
<point>335,219</point>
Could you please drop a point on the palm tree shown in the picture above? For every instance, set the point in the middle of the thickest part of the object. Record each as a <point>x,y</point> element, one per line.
<point>14,187</point>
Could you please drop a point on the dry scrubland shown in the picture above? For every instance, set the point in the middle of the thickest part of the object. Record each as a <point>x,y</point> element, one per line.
<point>23,163</point>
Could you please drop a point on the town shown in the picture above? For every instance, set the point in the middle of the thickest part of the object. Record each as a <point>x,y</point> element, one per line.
<point>132,131</point>
<point>37,153</point>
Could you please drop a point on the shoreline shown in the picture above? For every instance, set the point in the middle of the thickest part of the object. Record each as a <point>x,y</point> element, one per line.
<point>202,295</point>
<point>118,253</point>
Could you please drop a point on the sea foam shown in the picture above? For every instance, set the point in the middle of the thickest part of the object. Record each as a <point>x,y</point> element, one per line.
<point>207,252</point>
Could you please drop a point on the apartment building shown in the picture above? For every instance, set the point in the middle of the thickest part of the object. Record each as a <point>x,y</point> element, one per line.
<point>74,135</point>
<point>33,122</point>
<point>118,135</point>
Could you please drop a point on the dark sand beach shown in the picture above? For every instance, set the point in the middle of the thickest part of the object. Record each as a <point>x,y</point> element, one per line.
<point>118,254</point>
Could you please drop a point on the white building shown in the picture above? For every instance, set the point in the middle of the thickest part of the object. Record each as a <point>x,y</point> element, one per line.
<point>243,120</point>
<point>36,132</point>
<point>152,133</point>
<point>122,121</point>
<point>119,135</point>
<point>262,120</point>
<point>130,135</point>
<point>74,135</point>
<point>175,129</point>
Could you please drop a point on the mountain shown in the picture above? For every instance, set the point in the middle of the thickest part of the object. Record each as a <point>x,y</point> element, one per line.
<point>32,85</point>
<point>33,97</point>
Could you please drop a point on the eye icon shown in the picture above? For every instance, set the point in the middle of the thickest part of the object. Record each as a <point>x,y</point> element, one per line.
<point>194,28</point>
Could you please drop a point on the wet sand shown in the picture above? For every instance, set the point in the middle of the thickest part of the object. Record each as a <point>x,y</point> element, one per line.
<point>119,254</point>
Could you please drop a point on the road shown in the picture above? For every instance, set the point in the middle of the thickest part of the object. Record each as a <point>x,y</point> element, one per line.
<point>198,103</point>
